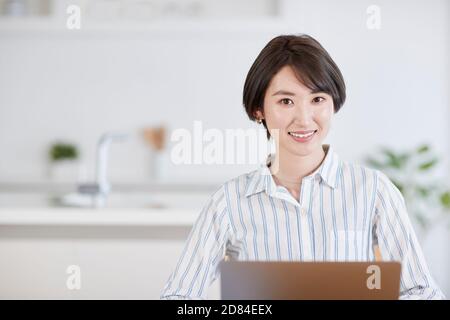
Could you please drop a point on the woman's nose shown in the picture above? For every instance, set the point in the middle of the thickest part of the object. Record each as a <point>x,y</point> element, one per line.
<point>303,114</point>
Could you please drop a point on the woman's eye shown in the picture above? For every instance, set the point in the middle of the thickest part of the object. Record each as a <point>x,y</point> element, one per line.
<point>286,101</point>
<point>318,99</point>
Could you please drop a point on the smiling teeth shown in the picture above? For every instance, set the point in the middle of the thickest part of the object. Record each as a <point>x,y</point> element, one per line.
<point>302,135</point>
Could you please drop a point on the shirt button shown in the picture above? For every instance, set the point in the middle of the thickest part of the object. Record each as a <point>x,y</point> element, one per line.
<point>303,211</point>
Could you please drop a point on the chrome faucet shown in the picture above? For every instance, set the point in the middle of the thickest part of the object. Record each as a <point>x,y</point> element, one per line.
<point>100,189</point>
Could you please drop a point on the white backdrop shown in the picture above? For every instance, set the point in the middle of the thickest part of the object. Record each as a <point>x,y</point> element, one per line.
<point>75,86</point>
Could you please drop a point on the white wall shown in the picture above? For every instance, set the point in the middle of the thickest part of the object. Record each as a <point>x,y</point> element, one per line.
<point>76,86</point>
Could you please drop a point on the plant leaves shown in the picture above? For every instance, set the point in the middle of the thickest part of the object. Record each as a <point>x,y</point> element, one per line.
<point>61,151</point>
<point>423,148</point>
<point>404,158</point>
<point>394,161</point>
<point>428,165</point>
<point>423,191</point>
<point>445,199</point>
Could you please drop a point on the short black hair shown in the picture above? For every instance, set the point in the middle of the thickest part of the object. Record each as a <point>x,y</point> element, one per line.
<point>311,63</point>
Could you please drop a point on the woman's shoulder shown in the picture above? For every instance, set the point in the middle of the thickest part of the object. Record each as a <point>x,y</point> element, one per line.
<point>354,170</point>
<point>236,186</point>
<point>358,171</point>
<point>371,176</point>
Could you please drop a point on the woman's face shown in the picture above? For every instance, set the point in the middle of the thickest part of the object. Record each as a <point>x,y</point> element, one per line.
<point>292,108</point>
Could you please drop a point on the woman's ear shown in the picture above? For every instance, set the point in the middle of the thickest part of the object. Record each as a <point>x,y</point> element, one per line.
<point>258,114</point>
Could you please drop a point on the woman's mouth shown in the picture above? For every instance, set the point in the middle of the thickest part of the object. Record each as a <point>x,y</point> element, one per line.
<point>305,136</point>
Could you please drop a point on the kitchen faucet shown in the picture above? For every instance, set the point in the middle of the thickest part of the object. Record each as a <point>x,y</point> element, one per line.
<point>100,189</point>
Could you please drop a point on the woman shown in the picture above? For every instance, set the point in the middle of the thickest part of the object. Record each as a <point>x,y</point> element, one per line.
<point>306,204</point>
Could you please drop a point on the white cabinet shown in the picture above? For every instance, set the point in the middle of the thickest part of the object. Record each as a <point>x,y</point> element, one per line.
<point>115,262</point>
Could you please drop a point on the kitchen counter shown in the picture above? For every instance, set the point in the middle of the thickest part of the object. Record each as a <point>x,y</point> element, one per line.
<point>125,250</point>
<point>174,208</point>
<point>96,217</point>
<point>162,186</point>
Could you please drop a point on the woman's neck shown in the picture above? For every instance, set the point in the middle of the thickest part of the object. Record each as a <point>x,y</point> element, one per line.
<point>290,169</point>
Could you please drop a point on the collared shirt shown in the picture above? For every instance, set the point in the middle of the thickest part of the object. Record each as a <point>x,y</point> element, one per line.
<point>343,211</point>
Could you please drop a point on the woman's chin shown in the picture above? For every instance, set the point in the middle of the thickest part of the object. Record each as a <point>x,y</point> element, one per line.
<point>301,150</point>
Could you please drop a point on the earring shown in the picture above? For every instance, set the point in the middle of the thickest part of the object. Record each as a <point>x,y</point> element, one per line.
<point>259,121</point>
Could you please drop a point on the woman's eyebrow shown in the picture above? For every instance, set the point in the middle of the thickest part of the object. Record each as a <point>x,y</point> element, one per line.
<point>283,93</point>
<point>288,93</point>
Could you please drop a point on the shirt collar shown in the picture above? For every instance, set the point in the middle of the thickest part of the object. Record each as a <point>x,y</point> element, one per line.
<point>328,171</point>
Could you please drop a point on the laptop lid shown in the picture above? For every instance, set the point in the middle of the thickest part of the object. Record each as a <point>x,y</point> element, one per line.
<point>252,280</point>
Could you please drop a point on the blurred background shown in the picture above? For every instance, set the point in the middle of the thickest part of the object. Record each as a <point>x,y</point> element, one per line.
<point>90,92</point>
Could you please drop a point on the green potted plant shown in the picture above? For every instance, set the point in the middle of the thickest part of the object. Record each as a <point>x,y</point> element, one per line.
<point>427,196</point>
<point>63,159</point>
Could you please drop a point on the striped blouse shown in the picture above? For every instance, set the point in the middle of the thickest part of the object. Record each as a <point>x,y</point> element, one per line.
<point>344,210</point>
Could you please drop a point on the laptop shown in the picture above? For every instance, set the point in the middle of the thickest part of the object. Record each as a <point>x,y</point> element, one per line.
<point>255,280</point>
